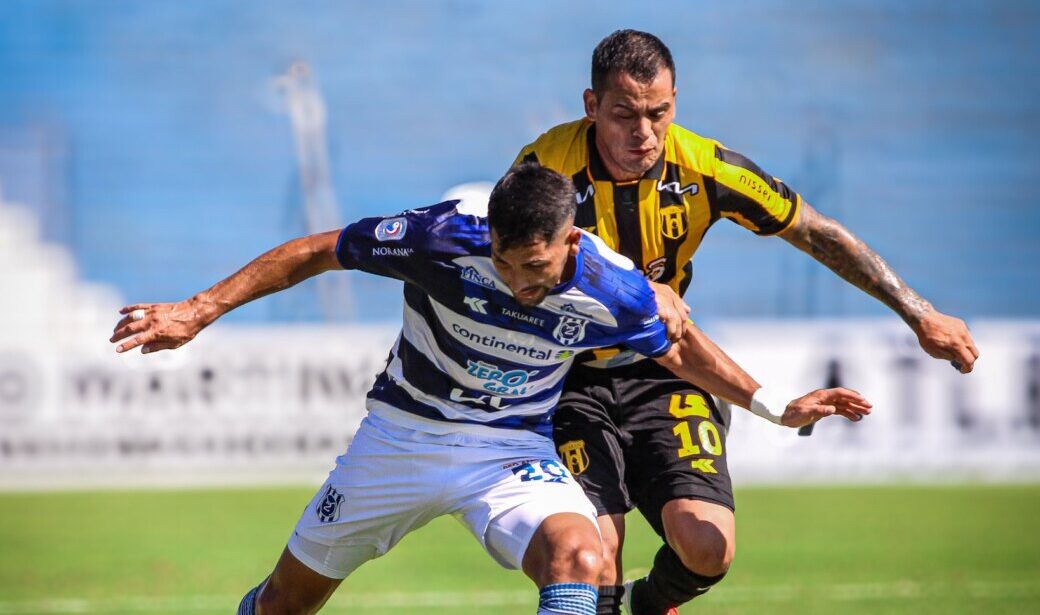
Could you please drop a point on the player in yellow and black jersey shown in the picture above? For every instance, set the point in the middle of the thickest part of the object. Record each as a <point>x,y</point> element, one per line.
<point>632,433</point>
<point>659,218</point>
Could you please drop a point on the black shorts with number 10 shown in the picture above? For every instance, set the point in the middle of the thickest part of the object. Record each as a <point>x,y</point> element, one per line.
<point>637,436</point>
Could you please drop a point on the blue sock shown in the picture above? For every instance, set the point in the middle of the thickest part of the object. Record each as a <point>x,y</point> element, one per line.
<point>567,599</point>
<point>248,604</point>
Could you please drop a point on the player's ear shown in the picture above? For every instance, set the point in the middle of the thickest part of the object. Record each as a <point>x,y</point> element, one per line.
<point>573,240</point>
<point>591,104</point>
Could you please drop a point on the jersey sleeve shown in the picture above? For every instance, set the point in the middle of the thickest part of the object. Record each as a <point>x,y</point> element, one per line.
<point>400,247</point>
<point>749,196</point>
<point>650,338</point>
<point>644,333</point>
<point>527,154</point>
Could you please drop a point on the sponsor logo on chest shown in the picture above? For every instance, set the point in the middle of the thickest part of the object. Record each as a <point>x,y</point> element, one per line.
<point>498,381</point>
<point>528,318</point>
<point>470,274</point>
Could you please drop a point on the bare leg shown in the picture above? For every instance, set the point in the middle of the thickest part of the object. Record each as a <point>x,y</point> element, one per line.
<point>294,589</point>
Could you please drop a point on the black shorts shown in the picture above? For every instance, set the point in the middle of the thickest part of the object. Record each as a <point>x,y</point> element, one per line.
<point>637,436</point>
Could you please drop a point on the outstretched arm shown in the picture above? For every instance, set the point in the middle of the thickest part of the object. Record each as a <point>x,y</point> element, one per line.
<point>165,326</point>
<point>698,360</point>
<point>823,238</point>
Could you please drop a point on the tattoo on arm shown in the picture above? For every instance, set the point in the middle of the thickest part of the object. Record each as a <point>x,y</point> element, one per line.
<point>832,244</point>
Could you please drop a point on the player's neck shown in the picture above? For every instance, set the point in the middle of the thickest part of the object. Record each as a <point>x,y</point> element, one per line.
<point>568,270</point>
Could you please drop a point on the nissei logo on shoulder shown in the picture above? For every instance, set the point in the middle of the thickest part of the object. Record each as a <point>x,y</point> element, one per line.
<point>391,229</point>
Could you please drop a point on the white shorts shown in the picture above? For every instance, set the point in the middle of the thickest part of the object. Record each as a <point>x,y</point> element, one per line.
<point>394,479</point>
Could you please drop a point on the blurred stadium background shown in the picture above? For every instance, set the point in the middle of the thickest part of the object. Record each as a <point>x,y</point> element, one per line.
<point>150,149</point>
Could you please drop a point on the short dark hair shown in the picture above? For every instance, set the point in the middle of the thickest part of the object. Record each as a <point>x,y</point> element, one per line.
<point>637,54</point>
<point>530,203</point>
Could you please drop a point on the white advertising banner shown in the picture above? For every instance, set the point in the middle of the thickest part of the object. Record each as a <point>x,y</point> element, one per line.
<point>279,403</point>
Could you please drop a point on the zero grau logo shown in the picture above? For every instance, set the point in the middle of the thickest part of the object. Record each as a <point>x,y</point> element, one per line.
<point>498,381</point>
<point>673,222</point>
<point>384,251</point>
<point>470,274</point>
<point>571,328</point>
<point>391,229</point>
<point>328,506</point>
<point>491,341</point>
<point>574,455</point>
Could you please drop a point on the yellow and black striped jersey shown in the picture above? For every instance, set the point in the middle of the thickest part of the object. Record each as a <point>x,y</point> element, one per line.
<point>659,220</point>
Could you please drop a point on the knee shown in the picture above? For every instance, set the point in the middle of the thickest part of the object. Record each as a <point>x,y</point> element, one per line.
<point>708,553</point>
<point>577,560</point>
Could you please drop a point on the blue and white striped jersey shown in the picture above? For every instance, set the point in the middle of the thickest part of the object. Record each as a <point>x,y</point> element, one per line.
<point>468,353</point>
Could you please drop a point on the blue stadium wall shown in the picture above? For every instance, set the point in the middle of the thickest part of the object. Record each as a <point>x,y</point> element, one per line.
<point>149,136</point>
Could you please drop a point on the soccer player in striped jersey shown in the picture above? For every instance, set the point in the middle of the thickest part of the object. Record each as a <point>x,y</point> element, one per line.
<point>459,422</point>
<point>651,190</point>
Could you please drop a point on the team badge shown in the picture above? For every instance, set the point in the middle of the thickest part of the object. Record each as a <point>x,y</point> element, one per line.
<point>328,505</point>
<point>391,229</point>
<point>571,328</point>
<point>673,221</point>
<point>574,455</point>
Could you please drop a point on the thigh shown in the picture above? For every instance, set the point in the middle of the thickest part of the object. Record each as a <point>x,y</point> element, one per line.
<point>677,447</point>
<point>508,498</point>
<point>588,441</point>
<point>381,489</point>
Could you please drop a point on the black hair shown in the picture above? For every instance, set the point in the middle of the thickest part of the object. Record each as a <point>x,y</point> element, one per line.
<point>637,54</point>
<point>530,203</point>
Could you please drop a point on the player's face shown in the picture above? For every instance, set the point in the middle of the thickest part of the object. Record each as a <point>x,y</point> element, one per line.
<point>532,270</point>
<point>631,121</point>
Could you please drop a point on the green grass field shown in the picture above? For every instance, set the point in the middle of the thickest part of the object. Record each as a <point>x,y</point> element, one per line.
<point>811,550</point>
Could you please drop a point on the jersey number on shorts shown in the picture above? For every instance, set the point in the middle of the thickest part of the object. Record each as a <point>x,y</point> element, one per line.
<point>547,470</point>
<point>685,408</point>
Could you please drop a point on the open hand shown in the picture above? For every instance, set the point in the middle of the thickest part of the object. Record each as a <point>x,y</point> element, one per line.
<point>823,403</point>
<point>156,326</point>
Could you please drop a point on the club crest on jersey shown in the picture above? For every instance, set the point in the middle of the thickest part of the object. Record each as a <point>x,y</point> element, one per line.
<point>673,221</point>
<point>571,328</point>
<point>391,229</point>
<point>470,274</point>
<point>328,505</point>
<point>573,454</point>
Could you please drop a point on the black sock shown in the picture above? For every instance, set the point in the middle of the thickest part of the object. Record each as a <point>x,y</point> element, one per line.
<point>609,601</point>
<point>668,585</point>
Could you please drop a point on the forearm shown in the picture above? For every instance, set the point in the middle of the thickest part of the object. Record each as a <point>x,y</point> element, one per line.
<point>700,361</point>
<point>832,244</point>
<point>273,271</point>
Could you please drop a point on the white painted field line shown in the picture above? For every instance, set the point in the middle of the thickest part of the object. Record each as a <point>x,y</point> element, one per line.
<point>850,592</point>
